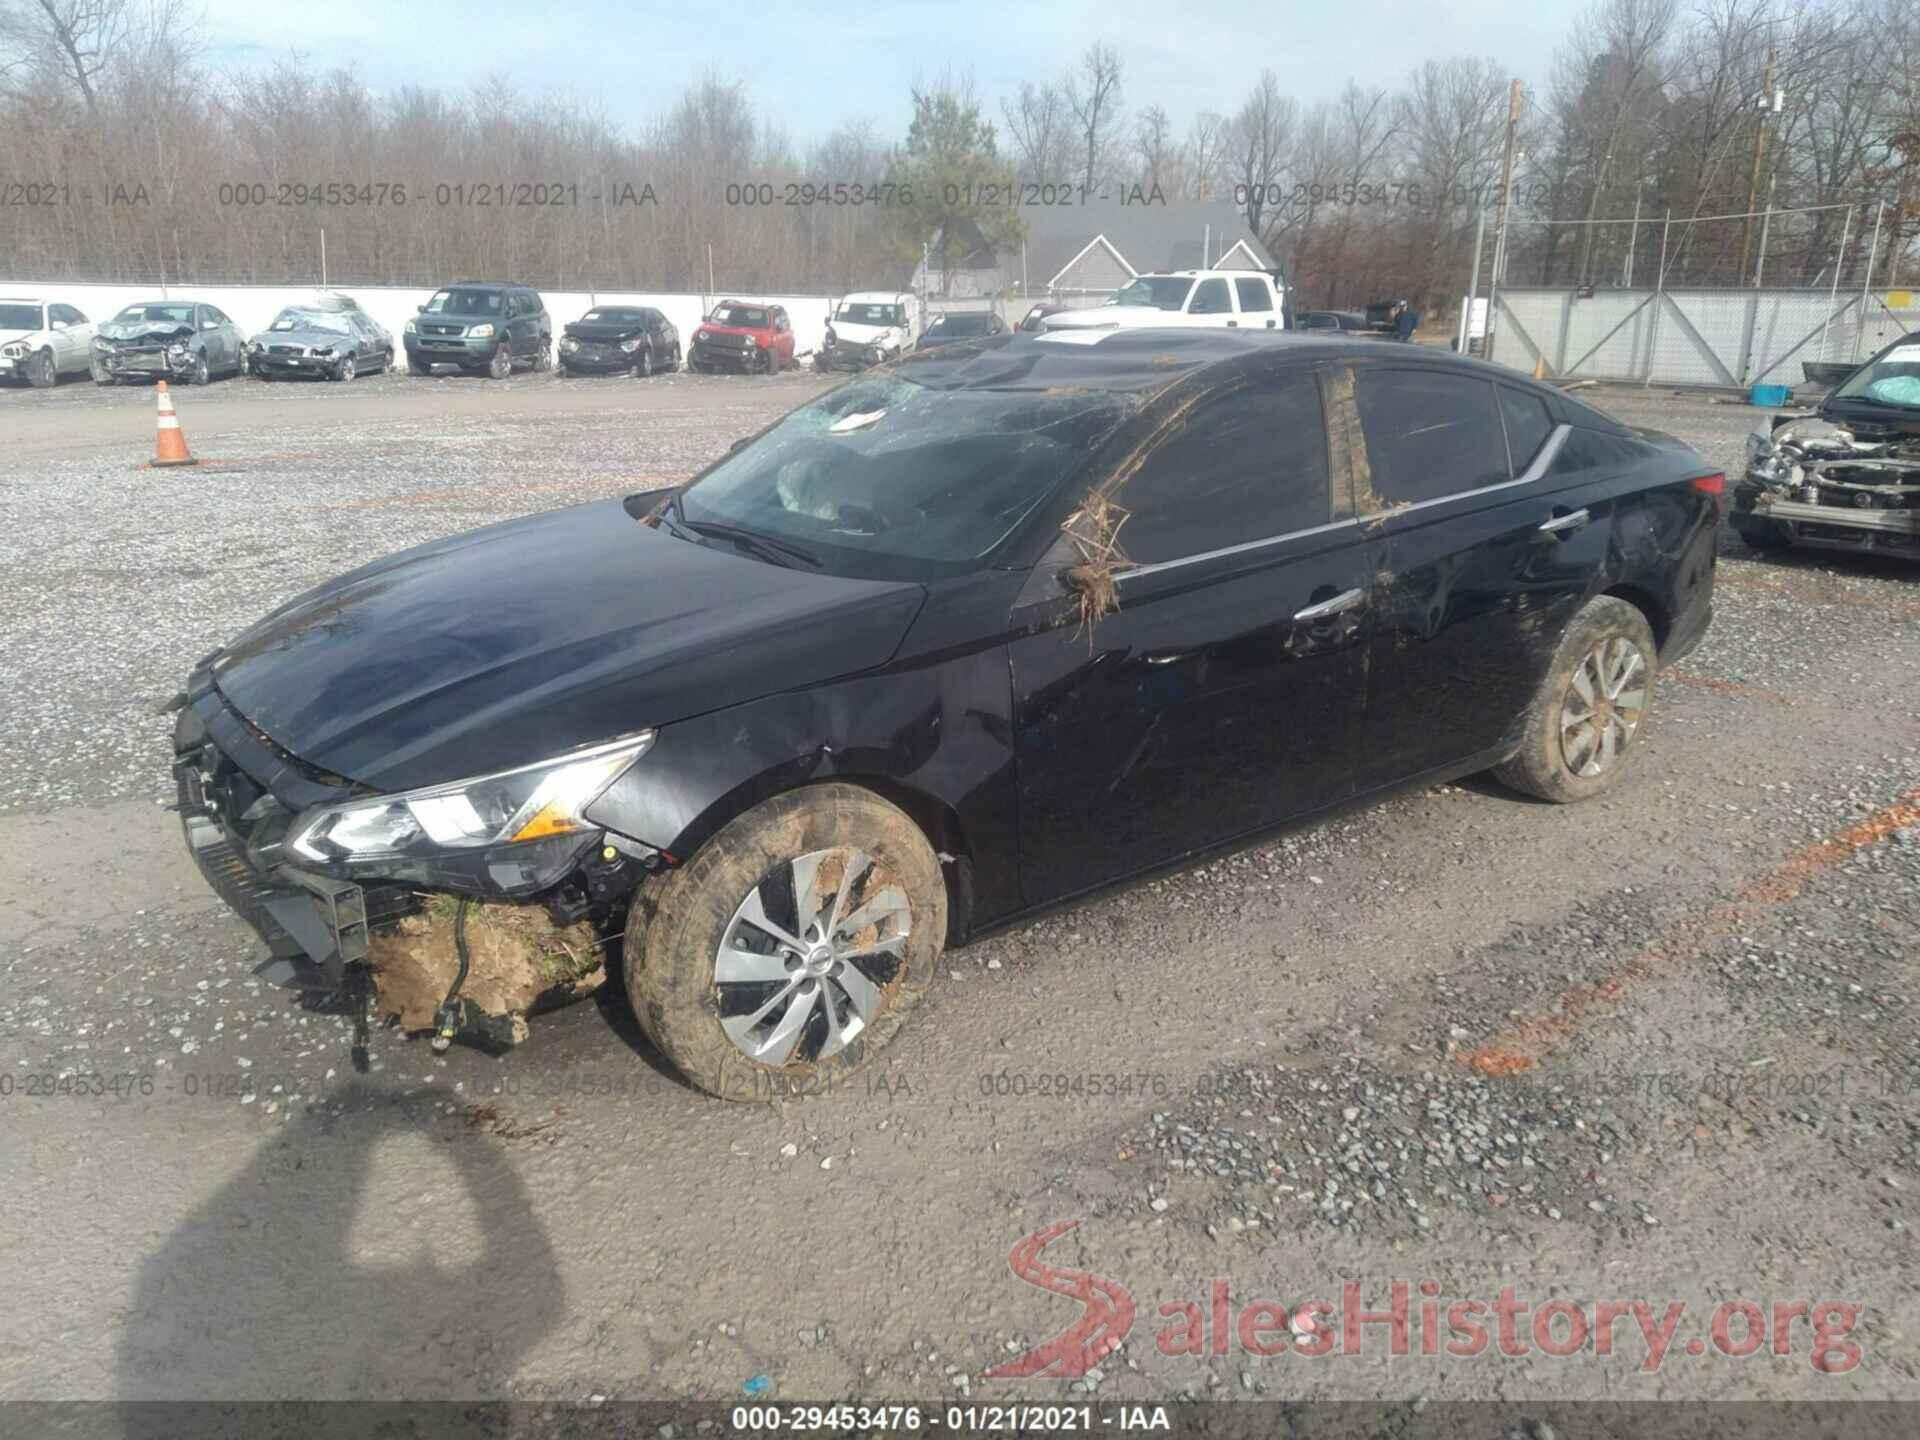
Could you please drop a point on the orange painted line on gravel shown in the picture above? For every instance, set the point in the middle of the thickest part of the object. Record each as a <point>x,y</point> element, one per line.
<point>1727,687</point>
<point>1524,1043</point>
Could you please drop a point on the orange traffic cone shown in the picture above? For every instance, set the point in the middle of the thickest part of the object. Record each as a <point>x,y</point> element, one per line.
<point>1539,367</point>
<point>169,440</point>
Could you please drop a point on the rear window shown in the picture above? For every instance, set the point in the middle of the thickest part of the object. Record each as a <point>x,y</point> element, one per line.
<point>1430,434</point>
<point>1528,425</point>
<point>1254,294</point>
<point>1248,466</point>
<point>1593,450</point>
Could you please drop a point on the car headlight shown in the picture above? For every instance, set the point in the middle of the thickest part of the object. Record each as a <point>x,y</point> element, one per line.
<point>413,328</point>
<point>1764,460</point>
<point>701,335</point>
<point>534,802</point>
<point>630,345</point>
<point>14,351</point>
<point>254,347</point>
<point>569,344</point>
<point>100,346</point>
<point>754,341</point>
<point>480,332</point>
<point>178,349</point>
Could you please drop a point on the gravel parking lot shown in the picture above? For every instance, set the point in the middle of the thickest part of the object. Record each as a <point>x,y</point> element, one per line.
<point>1661,1048</point>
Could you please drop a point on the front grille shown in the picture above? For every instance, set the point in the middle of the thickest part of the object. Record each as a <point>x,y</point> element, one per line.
<point>443,329</point>
<point>728,342</point>
<point>286,350</point>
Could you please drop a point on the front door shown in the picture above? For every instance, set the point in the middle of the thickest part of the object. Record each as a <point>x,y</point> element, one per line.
<point>1225,692</point>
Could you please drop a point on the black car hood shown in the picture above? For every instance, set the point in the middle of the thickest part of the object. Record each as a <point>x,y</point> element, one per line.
<point>580,330</point>
<point>523,640</point>
<point>314,338</point>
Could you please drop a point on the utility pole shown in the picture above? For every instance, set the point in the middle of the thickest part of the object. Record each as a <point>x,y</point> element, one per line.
<point>1514,95</point>
<point>1765,107</point>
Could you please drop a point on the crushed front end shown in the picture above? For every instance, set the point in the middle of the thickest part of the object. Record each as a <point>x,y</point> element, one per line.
<point>463,939</point>
<point>1832,484</point>
<point>163,354</point>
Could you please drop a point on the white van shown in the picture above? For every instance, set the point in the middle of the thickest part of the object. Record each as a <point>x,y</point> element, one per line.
<point>867,327</point>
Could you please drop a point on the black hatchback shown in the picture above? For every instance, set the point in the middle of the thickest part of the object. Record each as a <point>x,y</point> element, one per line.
<point>979,631</point>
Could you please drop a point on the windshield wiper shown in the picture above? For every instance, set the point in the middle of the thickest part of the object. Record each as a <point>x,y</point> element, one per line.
<point>779,552</point>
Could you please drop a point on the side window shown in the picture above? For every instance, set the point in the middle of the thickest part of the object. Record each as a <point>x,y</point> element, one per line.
<point>1528,425</point>
<point>516,305</point>
<point>1246,467</point>
<point>69,314</point>
<point>1253,293</point>
<point>216,316</point>
<point>1429,434</point>
<point>1591,450</point>
<point>1210,298</point>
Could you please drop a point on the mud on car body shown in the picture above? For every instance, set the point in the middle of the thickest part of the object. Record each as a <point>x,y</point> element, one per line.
<point>1847,477</point>
<point>168,340</point>
<point>861,688</point>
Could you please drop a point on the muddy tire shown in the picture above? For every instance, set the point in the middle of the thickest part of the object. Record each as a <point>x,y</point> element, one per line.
<point>1590,714</point>
<point>41,373</point>
<point>543,357</point>
<point>643,368</point>
<point>199,373</point>
<point>501,365</point>
<point>791,949</point>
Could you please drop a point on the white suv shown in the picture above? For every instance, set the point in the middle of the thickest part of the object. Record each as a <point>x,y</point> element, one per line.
<point>1230,299</point>
<point>42,340</point>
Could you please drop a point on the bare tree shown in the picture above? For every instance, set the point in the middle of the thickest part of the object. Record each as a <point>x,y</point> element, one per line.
<point>1093,96</point>
<point>1260,145</point>
<point>1038,122</point>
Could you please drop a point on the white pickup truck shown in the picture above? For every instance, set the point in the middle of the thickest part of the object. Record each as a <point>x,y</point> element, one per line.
<point>1229,299</point>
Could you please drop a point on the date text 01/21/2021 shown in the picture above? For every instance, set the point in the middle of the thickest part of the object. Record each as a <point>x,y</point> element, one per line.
<point>463,194</point>
<point>966,1419</point>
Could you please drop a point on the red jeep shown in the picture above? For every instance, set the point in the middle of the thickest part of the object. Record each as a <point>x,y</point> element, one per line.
<point>742,335</point>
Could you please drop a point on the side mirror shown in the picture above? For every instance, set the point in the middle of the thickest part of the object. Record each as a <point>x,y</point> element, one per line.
<point>419,309</point>
<point>57,325</point>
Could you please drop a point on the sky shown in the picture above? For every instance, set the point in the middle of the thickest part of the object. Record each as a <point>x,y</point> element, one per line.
<point>812,65</point>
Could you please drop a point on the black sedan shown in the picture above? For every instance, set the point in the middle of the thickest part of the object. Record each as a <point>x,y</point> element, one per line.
<point>955,325</point>
<point>329,342</point>
<point>1848,476</point>
<point>620,340</point>
<point>979,631</point>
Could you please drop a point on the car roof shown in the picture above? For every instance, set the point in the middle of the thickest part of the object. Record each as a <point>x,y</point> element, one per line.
<point>23,300</point>
<point>1147,358</point>
<point>875,297</point>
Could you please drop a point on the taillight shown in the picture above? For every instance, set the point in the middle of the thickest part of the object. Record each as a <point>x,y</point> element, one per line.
<point>1714,485</point>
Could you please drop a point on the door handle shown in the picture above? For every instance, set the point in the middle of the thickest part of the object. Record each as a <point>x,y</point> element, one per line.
<point>1560,524</point>
<point>1339,604</point>
<point>1233,324</point>
<point>1167,658</point>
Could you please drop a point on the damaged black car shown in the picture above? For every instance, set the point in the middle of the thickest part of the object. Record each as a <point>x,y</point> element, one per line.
<point>1846,477</point>
<point>980,631</point>
<point>175,340</point>
<point>633,340</point>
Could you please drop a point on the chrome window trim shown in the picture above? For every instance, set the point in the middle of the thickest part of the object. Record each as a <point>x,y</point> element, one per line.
<point>1549,450</point>
<point>1239,549</point>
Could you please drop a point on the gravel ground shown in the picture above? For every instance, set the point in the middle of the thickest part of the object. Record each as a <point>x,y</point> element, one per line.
<point>1659,1046</point>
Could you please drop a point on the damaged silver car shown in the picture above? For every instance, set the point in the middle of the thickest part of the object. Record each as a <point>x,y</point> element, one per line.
<point>179,340</point>
<point>1846,477</point>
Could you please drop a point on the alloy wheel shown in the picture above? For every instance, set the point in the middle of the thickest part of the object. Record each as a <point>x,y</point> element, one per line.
<point>346,369</point>
<point>1603,705</point>
<point>809,959</point>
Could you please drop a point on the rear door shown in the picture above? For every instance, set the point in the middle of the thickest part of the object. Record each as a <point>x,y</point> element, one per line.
<point>1481,562</point>
<point>1257,310</point>
<point>1225,693</point>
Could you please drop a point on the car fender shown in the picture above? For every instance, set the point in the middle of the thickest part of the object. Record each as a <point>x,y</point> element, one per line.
<point>934,737</point>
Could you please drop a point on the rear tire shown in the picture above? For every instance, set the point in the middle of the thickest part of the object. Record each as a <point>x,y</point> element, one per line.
<point>742,966</point>
<point>1586,721</point>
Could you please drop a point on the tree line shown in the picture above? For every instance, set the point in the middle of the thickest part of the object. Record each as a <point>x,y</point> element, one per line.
<point>132,158</point>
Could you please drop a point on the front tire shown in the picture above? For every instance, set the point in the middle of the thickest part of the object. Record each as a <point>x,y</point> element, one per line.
<point>643,369</point>
<point>199,373</point>
<point>792,947</point>
<point>501,365</point>
<point>1585,723</point>
<point>43,374</point>
<point>345,369</point>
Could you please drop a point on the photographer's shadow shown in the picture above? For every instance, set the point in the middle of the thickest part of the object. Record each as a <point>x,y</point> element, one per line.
<point>388,1252</point>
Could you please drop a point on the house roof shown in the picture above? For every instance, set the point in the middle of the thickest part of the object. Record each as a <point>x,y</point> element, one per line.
<point>1148,237</point>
